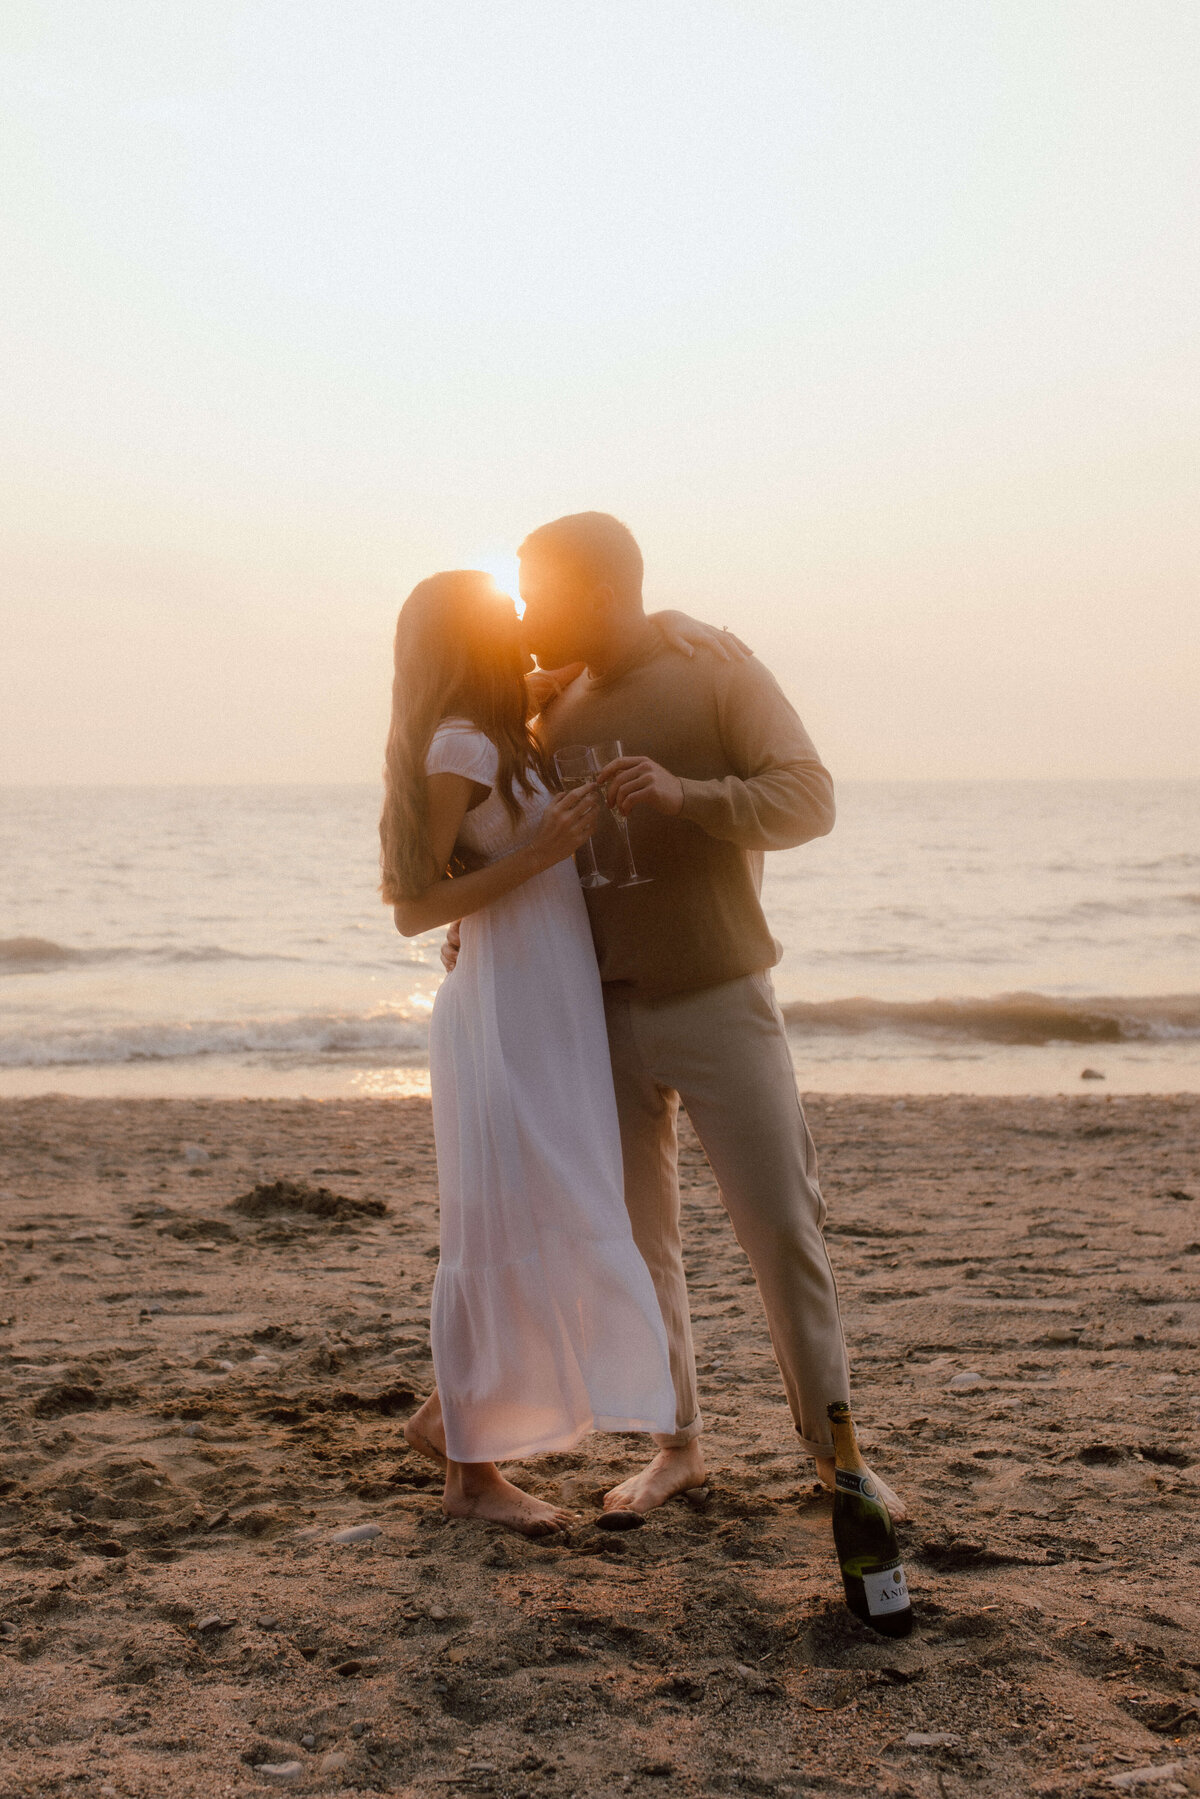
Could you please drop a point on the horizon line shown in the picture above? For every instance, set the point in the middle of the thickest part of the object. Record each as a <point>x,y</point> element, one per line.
<point>843,780</point>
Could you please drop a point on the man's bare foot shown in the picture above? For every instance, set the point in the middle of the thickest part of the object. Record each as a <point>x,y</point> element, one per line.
<point>425,1432</point>
<point>672,1471</point>
<point>827,1469</point>
<point>479,1490</point>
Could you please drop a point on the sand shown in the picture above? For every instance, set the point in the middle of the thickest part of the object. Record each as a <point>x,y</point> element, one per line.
<point>196,1398</point>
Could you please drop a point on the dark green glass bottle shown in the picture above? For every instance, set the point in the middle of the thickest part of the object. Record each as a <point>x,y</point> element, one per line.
<point>865,1538</point>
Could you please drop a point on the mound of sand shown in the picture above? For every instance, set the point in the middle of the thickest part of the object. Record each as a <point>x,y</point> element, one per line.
<point>266,1198</point>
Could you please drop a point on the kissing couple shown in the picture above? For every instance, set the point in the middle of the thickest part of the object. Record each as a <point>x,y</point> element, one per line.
<point>573,1023</point>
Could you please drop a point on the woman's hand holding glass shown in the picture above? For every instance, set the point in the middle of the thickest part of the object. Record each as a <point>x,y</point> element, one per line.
<point>565,825</point>
<point>575,766</point>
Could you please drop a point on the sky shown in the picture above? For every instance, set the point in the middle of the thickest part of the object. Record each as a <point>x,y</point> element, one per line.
<point>876,322</point>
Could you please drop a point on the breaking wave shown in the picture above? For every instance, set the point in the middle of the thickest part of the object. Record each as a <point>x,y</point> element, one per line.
<point>387,1034</point>
<point>1014,1018</point>
<point>40,955</point>
<point>36,953</point>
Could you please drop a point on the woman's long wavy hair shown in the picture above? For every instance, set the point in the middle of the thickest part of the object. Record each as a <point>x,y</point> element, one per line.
<point>457,655</point>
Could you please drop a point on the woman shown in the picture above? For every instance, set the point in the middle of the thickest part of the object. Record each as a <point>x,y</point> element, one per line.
<point>545,1323</point>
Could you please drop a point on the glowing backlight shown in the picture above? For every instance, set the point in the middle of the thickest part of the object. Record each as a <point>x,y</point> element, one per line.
<point>502,566</point>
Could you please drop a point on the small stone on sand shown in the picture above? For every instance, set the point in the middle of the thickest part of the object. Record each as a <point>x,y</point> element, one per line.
<point>931,1739</point>
<point>620,1521</point>
<point>357,1533</point>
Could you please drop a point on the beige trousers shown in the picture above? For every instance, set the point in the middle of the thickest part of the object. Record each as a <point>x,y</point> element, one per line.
<point>723,1052</point>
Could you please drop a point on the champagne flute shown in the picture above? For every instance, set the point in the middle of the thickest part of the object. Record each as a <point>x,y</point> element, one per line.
<point>576,767</point>
<point>605,753</point>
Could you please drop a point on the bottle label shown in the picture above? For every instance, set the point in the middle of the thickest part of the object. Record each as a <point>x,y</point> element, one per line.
<point>886,1591</point>
<point>856,1483</point>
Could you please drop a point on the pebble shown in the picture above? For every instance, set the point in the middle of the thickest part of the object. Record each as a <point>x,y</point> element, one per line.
<point>194,1154</point>
<point>334,1762</point>
<point>214,1621</point>
<point>931,1739</point>
<point>193,1430</point>
<point>1145,1777</point>
<point>308,1741</point>
<point>620,1521</point>
<point>281,1770</point>
<point>1091,1074</point>
<point>438,1612</point>
<point>357,1533</point>
<point>267,1623</point>
<point>9,1630</point>
<point>962,1383</point>
<point>359,1728</point>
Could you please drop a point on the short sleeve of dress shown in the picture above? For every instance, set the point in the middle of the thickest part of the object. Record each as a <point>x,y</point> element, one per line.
<point>458,748</point>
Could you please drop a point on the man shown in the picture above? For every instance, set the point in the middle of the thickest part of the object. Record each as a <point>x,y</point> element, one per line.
<point>717,769</point>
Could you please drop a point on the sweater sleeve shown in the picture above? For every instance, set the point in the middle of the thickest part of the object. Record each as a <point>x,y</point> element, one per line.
<point>780,793</point>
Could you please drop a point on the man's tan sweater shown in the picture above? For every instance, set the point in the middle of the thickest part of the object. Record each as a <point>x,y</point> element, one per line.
<point>752,781</point>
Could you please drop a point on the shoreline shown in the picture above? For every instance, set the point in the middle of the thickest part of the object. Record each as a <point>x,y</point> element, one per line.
<point>196,1398</point>
<point>1046,1071</point>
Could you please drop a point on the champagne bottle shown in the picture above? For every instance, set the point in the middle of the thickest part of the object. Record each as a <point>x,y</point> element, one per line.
<point>865,1538</point>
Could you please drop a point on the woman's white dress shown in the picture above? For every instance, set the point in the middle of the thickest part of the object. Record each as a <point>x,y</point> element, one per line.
<point>545,1321</point>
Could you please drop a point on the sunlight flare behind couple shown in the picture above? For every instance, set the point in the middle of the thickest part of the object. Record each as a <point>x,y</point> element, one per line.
<point>571,1026</point>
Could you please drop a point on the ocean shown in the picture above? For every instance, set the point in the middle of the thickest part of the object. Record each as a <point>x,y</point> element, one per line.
<point>989,937</point>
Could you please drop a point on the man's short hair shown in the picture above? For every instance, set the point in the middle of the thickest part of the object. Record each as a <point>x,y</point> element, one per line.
<point>594,545</point>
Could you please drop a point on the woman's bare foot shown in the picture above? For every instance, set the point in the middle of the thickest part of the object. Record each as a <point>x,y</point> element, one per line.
<point>425,1432</point>
<point>827,1469</point>
<point>479,1490</point>
<point>672,1471</point>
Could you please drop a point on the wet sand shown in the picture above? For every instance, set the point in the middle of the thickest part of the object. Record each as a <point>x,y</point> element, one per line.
<point>195,1398</point>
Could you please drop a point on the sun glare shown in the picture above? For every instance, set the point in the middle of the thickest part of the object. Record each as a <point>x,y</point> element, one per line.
<point>504,569</point>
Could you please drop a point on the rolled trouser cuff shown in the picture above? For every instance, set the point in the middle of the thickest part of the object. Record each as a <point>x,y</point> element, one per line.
<point>681,1438</point>
<point>819,1451</point>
